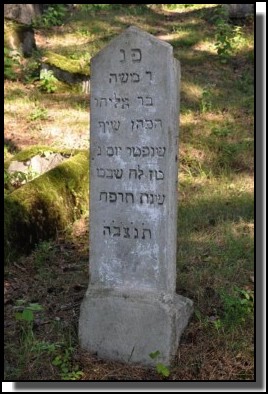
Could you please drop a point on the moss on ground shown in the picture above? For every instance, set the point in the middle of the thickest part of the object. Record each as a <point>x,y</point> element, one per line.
<point>63,63</point>
<point>48,204</point>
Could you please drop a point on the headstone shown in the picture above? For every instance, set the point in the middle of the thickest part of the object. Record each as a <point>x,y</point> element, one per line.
<point>239,10</point>
<point>23,13</point>
<point>131,308</point>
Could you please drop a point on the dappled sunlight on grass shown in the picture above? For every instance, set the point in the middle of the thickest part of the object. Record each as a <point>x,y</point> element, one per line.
<point>206,46</point>
<point>215,187</point>
<point>66,40</point>
<point>192,91</point>
<point>243,229</point>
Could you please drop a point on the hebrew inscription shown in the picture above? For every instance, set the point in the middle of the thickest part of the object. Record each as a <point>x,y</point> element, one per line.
<point>131,232</point>
<point>130,198</point>
<point>132,158</point>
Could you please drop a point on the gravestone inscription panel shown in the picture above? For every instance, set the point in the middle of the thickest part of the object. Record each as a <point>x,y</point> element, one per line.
<point>131,308</point>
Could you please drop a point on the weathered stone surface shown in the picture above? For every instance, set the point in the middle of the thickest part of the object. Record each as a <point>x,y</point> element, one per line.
<point>23,13</point>
<point>19,38</point>
<point>134,173</point>
<point>129,325</point>
<point>37,164</point>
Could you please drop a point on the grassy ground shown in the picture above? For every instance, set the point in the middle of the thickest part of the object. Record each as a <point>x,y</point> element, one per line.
<point>215,217</point>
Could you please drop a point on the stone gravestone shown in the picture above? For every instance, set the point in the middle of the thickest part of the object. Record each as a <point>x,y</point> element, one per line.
<point>131,308</point>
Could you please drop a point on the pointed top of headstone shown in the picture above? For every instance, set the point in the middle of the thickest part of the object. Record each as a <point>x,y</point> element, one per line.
<point>135,34</point>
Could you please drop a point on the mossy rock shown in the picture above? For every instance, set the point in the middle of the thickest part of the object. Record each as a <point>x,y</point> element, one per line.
<point>27,154</point>
<point>42,207</point>
<point>65,64</point>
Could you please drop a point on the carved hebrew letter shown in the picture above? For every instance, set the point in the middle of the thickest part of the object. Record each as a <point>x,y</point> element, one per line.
<point>145,151</point>
<point>152,198</point>
<point>115,100</point>
<point>136,151</point>
<point>161,199</point>
<point>118,149</point>
<point>124,56</point>
<point>103,100</point>
<point>101,172</point>
<point>112,197</point>
<point>110,173</point>
<point>106,228</point>
<point>123,77</point>
<point>105,195</point>
<point>137,233</point>
<point>140,172</point>
<point>152,149</point>
<point>139,123</point>
<point>161,151</point>
<point>159,175</point>
<point>135,77</point>
<point>96,101</point>
<point>136,55</point>
<point>132,171</point>
<point>149,124</point>
<point>110,151</point>
<point>149,73</point>
<point>125,103</point>
<point>149,101</point>
<point>126,235</point>
<point>158,122</point>
<point>143,195</point>
<point>102,124</point>
<point>115,124</point>
<point>122,196</point>
<point>129,149</point>
<point>99,151</point>
<point>113,76</point>
<point>118,173</point>
<point>130,195</point>
<point>140,98</point>
<point>117,233</point>
<point>148,231</point>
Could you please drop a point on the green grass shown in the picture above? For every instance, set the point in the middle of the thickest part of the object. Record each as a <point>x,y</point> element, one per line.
<point>215,255</point>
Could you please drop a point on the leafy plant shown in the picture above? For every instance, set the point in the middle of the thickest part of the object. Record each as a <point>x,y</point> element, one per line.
<point>227,36</point>
<point>223,42</point>
<point>38,113</point>
<point>223,131</point>
<point>26,317</point>
<point>28,312</point>
<point>52,16</point>
<point>11,63</point>
<point>63,362</point>
<point>42,253</point>
<point>206,99</point>
<point>161,369</point>
<point>48,82</point>
<point>43,346</point>
<point>237,307</point>
<point>14,180</point>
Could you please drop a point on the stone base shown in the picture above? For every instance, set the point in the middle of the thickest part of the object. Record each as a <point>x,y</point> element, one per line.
<point>128,326</point>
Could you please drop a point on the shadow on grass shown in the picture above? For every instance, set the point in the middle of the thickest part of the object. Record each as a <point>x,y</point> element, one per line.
<point>215,244</point>
<point>10,146</point>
